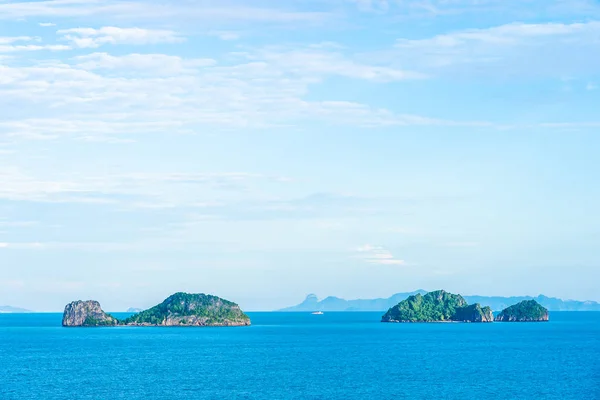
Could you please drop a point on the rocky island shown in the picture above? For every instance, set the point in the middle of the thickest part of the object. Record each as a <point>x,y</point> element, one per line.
<point>87,313</point>
<point>180,309</point>
<point>438,306</point>
<point>525,311</point>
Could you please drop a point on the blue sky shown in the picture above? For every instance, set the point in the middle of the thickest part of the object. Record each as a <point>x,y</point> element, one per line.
<point>262,150</point>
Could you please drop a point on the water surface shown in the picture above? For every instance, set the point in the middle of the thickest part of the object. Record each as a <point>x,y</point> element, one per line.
<point>302,356</point>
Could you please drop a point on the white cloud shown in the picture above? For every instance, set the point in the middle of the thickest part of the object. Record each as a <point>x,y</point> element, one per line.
<point>9,40</point>
<point>143,93</point>
<point>378,255</point>
<point>225,35</point>
<point>13,44</point>
<point>152,63</point>
<point>320,63</point>
<point>149,189</point>
<point>176,12</point>
<point>31,47</point>
<point>92,38</point>
<point>46,24</point>
<point>554,49</point>
<point>510,34</point>
<point>511,8</point>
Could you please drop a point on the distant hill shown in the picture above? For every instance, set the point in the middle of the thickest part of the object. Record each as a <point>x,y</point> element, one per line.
<point>312,303</point>
<point>496,303</point>
<point>13,310</point>
<point>134,310</point>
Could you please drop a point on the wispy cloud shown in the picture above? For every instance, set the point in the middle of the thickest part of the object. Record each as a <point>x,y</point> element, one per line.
<point>550,49</point>
<point>319,62</point>
<point>378,255</point>
<point>92,38</point>
<point>512,8</point>
<point>178,189</point>
<point>225,35</point>
<point>157,92</point>
<point>180,12</point>
<point>24,43</point>
<point>160,64</point>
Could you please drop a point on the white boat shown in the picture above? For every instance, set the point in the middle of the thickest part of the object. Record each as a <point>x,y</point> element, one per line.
<point>317,313</point>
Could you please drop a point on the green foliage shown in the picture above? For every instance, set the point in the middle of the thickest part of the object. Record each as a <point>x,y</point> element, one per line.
<point>527,310</point>
<point>214,309</point>
<point>431,307</point>
<point>93,321</point>
<point>473,313</point>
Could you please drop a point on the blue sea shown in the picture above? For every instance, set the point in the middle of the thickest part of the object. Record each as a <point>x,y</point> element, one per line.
<point>302,356</point>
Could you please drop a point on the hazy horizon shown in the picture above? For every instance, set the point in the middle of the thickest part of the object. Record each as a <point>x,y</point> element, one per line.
<point>149,304</point>
<point>263,150</point>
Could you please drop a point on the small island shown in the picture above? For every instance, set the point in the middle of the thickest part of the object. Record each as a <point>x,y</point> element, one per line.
<point>437,306</point>
<point>180,309</point>
<point>525,311</point>
<point>87,313</point>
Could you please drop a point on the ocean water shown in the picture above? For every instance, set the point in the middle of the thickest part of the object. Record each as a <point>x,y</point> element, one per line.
<point>302,356</point>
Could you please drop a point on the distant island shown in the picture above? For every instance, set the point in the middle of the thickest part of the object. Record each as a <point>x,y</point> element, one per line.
<point>180,309</point>
<point>441,306</point>
<point>525,311</point>
<point>496,303</point>
<point>437,306</point>
<point>134,310</point>
<point>13,310</point>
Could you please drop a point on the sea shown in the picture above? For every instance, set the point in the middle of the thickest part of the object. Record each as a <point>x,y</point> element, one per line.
<point>302,356</point>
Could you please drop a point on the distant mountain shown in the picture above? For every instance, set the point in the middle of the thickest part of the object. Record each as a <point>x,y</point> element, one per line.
<point>496,303</point>
<point>13,310</point>
<point>134,310</point>
<point>312,303</point>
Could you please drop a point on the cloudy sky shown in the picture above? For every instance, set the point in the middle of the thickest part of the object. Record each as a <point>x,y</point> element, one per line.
<point>261,150</point>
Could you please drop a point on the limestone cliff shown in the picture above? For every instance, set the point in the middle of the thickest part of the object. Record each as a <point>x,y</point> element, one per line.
<point>87,313</point>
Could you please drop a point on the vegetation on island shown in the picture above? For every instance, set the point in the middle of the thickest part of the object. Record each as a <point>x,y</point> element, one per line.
<point>474,313</point>
<point>437,306</point>
<point>189,309</point>
<point>91,320</point>
<point>525,311</point>
<point>180,309</point>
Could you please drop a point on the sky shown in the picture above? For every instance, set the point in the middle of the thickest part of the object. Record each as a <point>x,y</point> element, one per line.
<point>261,150</point>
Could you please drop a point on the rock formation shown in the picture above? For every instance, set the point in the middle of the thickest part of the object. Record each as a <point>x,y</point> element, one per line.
<point>87,313</point>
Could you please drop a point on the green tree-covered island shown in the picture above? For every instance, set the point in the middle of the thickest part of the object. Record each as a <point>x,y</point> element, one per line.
<point>180,309</point>
<point>437,306</point>
<point>525,311</point>
<point>441,306</point>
